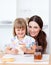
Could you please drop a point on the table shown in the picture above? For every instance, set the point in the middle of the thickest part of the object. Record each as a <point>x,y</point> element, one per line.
<point>27,58</point>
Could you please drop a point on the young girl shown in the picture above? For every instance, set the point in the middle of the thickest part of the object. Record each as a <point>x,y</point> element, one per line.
<point>21,43</point>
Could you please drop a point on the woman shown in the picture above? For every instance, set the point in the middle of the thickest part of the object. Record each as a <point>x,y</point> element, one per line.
<point>35,25</point>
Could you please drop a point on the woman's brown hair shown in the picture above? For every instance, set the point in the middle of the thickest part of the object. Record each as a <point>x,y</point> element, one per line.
<point>19,23</point>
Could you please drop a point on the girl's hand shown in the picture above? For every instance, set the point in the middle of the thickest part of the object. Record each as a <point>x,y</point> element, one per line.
<point>14,51</point>
<point>23,47</point>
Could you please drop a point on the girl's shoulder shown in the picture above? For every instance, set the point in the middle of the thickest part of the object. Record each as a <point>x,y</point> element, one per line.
<point>29,37</point>
<point>13,38</point>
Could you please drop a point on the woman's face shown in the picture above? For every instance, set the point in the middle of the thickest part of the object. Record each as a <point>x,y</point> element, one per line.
<point>33,28</point>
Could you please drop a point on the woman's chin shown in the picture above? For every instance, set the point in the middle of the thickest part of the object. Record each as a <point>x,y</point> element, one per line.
<point>32,35</point>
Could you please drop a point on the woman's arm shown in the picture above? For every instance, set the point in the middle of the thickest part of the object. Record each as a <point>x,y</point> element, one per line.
<point>29,51</point>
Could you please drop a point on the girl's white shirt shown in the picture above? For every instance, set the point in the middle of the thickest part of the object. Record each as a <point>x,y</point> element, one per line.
<point>27,40</point>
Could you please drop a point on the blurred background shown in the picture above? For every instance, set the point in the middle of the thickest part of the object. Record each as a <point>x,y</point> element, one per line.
<point>11,9</point>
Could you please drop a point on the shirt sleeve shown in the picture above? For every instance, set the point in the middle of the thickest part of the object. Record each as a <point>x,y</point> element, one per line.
<point>31,42</point>
<point>11,43</point>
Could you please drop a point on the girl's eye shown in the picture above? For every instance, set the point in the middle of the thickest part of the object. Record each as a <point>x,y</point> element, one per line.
<point>17,29</point>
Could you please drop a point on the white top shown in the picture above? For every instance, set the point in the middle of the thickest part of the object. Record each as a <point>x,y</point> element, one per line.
<point>27,40</point>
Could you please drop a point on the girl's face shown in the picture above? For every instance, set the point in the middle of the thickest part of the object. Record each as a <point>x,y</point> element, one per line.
<point>20,32</point>
<point>33,28</point>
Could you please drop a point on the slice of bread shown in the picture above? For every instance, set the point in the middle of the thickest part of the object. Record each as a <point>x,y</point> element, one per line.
<point>8,59</point>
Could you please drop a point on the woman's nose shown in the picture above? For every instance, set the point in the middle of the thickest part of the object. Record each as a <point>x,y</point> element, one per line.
<point>32,29</point>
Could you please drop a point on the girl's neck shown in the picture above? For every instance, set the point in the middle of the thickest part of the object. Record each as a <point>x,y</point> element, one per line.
<point>20,38</point>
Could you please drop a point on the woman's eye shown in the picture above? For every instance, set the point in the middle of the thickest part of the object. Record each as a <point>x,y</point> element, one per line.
<point>33,27</point>
<point>30,27</point>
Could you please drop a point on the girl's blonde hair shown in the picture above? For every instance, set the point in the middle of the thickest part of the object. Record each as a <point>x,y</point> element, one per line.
<point>19,23</point>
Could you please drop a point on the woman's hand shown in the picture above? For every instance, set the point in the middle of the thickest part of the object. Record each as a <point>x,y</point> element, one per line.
<point>34,48</point>
<point>29,51</point>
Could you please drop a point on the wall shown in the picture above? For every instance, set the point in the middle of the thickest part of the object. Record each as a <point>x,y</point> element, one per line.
<point>7,10</point>
<point>50,25</point>
<point>5,36</point>
<point>28,8</point>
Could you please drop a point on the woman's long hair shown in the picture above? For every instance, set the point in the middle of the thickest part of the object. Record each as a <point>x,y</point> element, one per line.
<point>41,38</point>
